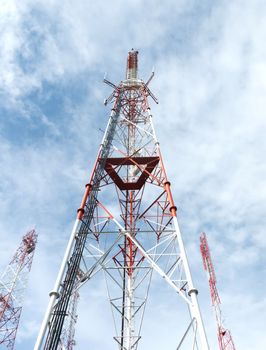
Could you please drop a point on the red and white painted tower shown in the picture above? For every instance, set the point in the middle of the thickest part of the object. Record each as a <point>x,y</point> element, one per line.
<point>127,227</point>
<point>13,284</point>
<point>225,339</point>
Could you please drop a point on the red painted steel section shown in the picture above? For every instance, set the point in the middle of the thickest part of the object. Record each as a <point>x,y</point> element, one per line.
<point>170,198</point>
<point>150,163</point>
<point>162,165</point>
<point>225,339</point>
<point>80,210</point>
<point>132,60</point>
<point>110,216</point>
<point>132,160</point>
<point>208,266</point>
<point>152,204</point>
<point>131,257</point>
<point>11,294</point>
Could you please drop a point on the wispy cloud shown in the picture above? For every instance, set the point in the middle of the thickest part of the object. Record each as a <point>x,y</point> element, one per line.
<point>210,65</point>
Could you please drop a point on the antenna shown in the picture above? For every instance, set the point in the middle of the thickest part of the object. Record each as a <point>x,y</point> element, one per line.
<point>13,283</point>
<point>224,336</point>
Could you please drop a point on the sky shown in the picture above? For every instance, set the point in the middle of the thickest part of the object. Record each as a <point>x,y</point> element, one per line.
<point>210,78</point>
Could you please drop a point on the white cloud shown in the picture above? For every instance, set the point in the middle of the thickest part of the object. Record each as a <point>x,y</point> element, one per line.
<point>212,108</point>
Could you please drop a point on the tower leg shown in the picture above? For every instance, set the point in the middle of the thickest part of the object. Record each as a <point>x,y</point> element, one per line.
<point>54,294</point>
<point>194,307</point>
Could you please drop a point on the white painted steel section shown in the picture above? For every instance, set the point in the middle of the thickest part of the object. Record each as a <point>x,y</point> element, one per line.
<point>194,306</point>
<point>138,127</point>
<point>153,264</point>
<point>153,130</point>
<point>107,127</point>
<point>54,293</point>
<point>158,269</point>
<point>98,262</point>
<point>129,285</point>
<point>129,329</point>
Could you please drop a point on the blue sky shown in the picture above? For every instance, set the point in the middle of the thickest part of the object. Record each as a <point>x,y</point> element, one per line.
<point>210,64</point>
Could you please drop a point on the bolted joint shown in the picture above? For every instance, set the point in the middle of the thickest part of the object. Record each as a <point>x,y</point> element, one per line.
<point>80,210</point>
<point>193,290</point>
<point>173,208</point>
<point>54,293</point>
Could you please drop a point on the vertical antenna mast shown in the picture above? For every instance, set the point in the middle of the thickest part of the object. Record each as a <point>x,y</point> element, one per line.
<point>132,65</point>
<point>127,227</point>
<point>13,283</point>
<point>224,336</point>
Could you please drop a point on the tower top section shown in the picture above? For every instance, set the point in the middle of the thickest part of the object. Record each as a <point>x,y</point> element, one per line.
<point>132,65</point>
<point>132,70</point>
<point>132,82</point>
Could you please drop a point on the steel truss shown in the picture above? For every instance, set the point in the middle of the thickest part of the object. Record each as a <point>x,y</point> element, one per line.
<point>67,339</point>
<point>13,283</point>
<point>126,226</point>
<point>225,339</point>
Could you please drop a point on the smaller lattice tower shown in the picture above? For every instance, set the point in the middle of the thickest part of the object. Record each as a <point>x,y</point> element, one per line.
<point>67,341</point>
<point>224,335</point>
<point>13,283</point>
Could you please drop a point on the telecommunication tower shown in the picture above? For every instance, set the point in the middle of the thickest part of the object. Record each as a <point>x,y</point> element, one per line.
<point>67,341</point>
<point>225,339</point>
<point>13,283</point>
<point>127,227</point>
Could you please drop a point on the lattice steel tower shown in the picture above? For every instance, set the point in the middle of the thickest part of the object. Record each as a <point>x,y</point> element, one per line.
<point>225,339</point>
<point>67,341</point>
<point>127,226</point>
<point>13,284</point>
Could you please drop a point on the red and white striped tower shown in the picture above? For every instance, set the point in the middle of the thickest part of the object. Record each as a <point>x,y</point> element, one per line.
<point>13,284</point>
<point>127,227</point>
<point>225,339</point>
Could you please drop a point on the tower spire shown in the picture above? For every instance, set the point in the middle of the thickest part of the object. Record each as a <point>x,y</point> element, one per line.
<point>127,227</point>
<point>132,65</point>
<point>225,339</point>
<point>13,283</point>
